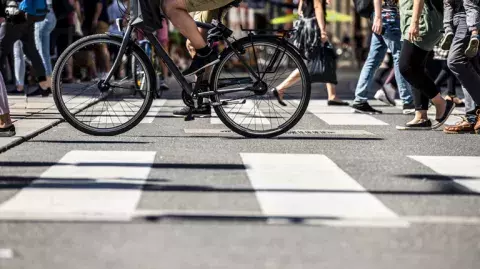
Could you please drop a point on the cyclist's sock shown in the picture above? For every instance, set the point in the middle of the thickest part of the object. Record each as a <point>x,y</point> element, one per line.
<point>204,51</point>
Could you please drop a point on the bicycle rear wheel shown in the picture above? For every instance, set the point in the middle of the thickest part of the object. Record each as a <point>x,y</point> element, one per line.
<point>89,105</point>
<point>257,113</point>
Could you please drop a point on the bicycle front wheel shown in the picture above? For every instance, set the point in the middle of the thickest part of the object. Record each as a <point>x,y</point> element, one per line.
<point>92,105</point>
<point>248,105</point>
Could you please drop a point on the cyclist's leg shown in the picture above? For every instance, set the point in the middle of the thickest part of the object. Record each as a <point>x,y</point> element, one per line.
<point>177,12</point>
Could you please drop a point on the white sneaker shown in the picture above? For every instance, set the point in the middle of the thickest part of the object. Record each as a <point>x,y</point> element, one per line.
<point>380,96</point>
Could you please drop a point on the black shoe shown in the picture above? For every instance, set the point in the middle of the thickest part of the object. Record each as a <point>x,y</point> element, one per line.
<point>448,110</point>
<point>277,95</point>
<point>16,92</point>
<point>203,111</point>
<point>421,125</point>
<point>337,103</point>
<point>365,108</point>
<point>201,62</point>
<point>408,108</point>
<point>7,132</point>
<point>40,91</point>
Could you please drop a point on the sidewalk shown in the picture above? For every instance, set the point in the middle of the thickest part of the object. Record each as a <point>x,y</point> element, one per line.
<point>30,118</point>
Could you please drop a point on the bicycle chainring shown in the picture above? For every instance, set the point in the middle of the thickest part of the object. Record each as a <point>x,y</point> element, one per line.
<point>187,99</point>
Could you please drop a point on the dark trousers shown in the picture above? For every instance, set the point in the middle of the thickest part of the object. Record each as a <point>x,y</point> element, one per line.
<point>26,33</point>
<point>466,70</point>
<point>413,62</point>
<point>446,75</point>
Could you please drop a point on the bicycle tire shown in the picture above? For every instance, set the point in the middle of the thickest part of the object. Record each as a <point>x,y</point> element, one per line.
<point>57,81</point>
<point>222,115</point>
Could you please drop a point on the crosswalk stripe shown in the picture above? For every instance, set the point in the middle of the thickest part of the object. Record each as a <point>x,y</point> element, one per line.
<point>340,115</point>
<point>247,113</point>
<point>154,110</point>
<point>464,170</point>
<point>85,185</point>
<point>311,185</point>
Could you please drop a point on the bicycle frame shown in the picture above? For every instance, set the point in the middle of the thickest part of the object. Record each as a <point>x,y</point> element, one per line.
<point>126,41</point>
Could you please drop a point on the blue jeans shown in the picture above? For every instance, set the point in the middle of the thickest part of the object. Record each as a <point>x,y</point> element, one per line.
<point>43,29</point>
<point>391,39</point>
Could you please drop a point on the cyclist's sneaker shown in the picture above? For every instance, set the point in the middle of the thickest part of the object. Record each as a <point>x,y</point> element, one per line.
<point>203,111</point>
<point>200,62</point>
<point>408,108</point>
<point>365,108</point>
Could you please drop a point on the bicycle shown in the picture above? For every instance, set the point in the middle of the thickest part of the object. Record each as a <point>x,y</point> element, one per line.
<point>237,87</point>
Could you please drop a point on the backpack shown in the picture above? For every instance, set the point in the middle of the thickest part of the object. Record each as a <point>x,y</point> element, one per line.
<point>36,10</point>
<point>364,8</point>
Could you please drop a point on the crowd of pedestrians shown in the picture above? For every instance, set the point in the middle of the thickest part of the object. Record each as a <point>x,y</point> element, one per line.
<point>412,30</point>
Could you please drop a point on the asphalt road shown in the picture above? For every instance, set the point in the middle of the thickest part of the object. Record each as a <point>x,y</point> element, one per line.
<point>180,195</point>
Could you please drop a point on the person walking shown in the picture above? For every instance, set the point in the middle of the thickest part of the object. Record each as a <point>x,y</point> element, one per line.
<point>421,22</point>
<point>18,27</point>
<point>445,75</point>
<point>466,70</point>
<point>7,128</point>
<point>96,21</point>
<point>43,29</point>
<point>386,35</point>
<point>310,9</point>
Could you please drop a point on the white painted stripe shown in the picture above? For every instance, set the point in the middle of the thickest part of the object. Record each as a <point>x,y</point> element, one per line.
<point>154,110</point>
<point>310,185</point>
<point>464,170</point>
<point>243,114</point>
<point>333,115</point>
<point>6,253</point>
<point>86,184</point>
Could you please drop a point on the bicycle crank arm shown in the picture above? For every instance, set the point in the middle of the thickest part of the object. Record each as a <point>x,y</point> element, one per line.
<point>210,93</point>
<point>229,102</point>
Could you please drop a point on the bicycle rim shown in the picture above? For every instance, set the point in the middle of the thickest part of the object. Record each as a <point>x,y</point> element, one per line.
<point>258,116</point>
<point>92,110</point>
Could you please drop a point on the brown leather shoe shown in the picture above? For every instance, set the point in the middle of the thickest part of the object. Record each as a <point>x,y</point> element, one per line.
<point>477,126</point>
<point>461,127</point>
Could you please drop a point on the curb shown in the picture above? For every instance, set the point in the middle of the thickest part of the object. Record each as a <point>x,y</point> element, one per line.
<point>19,140</point>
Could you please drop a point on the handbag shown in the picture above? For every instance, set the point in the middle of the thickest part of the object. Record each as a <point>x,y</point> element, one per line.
<point>323,64</point>
<point>306,36</point>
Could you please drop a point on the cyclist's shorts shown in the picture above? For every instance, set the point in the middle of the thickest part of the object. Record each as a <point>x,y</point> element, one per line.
<point>202,5</point>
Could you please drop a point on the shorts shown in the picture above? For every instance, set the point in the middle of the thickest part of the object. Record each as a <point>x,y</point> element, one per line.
<point>205,10</point>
